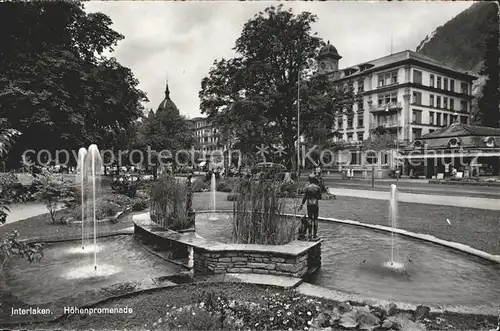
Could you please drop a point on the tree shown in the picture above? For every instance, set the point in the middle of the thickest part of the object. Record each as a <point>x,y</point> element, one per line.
<point>54,191</point>
<point>489,102</point>
<point>167,133</point>
<point>274,48</point>
<point>11,246</point>
<point>7,137</point>
<point>8,193</point>
<point>59,86</point>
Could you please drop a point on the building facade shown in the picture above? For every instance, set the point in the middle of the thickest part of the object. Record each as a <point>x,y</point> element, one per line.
<point>207,143</point>
<point>407,94</point>
<point>206,135</point>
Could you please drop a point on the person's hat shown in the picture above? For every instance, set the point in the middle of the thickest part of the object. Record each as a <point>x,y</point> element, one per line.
<point>312,176</point>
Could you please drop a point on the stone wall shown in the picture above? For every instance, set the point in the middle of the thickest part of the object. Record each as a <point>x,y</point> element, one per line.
<point>273,263</point>
<point>178,250</point>
<point>296,259</point>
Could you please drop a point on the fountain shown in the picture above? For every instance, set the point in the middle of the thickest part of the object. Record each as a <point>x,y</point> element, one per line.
<point>213,189</point>
<point>93,163</point>
<point>393,214</point>
<point>89,167</point>
<point>81,179</point>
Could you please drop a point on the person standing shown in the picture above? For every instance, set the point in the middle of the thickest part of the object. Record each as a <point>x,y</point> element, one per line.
<point>312,195</point>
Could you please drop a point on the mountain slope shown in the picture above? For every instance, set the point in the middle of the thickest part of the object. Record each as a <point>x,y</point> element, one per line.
<point>460,43</point>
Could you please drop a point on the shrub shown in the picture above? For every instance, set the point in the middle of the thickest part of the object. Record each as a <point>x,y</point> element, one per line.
<point>258,216</point>
<point>199,185</point>
<point>11,246</point>
<point>169,203</point>
<point>104,209</point>
<point>125,186</point>
<point>232,197</point>
<point>226,185</point>
<point>9,194</point>
<point>53,191</point>
<point>140,205</point>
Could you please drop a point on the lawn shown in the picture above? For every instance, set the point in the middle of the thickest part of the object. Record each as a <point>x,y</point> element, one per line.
<point>477,228</point>
<point>40,226</point>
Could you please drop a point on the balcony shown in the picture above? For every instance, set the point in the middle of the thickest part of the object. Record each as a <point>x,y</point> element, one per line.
<point>386,124</point>
<point>391,106</point>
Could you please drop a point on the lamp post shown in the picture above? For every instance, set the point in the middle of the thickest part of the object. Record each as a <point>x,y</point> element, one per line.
<point>298,121</point>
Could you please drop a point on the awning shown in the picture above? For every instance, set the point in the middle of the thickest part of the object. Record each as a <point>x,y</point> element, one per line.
<point>447,156</point>
<point>203,163</point>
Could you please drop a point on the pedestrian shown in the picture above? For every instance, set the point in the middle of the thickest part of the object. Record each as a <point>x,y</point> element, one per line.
<point>312,195</point>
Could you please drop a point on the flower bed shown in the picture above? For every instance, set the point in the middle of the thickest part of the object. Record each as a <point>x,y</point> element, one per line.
<point>487,182</point>
<point>224,306</point>
<point>286,311</point>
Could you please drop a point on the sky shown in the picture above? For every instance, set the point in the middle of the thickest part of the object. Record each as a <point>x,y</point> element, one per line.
<point>179,41</point>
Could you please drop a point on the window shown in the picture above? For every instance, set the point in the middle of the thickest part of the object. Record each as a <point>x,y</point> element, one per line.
<point>445,119</point>
<point>386,98</point>
<point>349,122</point>
<point>355,157</point>
<point>438,85</point>
<point>464,88</point>
<point>361,86</point>
<point>417,133</point>
<point>360,121</point>
<point>445,102</point>
<point>349,137</point>
<point>463,119</point>
<point>388,78</point>
<point>431,81</point>
<point>452,104</point>
<point>339,123</point>
<point>417,98</point>
<point>360,136</point>
<point>438,102</point>
<point>463,105</point>
<point>431,118</point>
<point>438,119</point>
<point>445,83</point>
<point>360,106</point>
<point>417,76</point>
<point>417,116</point>
<point>394,77</point>
<point>380,80</point>
<point>452,85</point>
<point>431,100</point>
<point>350,86</point>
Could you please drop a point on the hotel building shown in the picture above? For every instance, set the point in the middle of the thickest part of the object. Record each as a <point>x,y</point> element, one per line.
<point>406,93</point>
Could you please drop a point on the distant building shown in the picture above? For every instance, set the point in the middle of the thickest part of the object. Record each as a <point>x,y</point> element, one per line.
<point>406,93</point>
<point>207,141</point>
<point>472,150</point>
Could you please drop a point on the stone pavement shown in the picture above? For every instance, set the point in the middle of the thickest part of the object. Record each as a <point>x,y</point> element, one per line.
<point>441,200</point>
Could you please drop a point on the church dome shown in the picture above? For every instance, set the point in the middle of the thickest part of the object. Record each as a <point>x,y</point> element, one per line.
<point>329,51</point>
<point>167,104</point>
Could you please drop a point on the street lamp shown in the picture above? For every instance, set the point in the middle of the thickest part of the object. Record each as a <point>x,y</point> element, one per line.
<point>298,121</point>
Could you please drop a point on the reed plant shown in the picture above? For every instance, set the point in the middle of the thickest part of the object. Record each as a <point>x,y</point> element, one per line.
<point>168,203</point>
<point>258,216</point>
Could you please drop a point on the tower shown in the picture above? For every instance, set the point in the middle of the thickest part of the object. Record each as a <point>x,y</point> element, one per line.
<point>328,59</point>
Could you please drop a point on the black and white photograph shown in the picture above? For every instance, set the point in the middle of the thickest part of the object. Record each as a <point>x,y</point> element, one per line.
<point>250,165</point>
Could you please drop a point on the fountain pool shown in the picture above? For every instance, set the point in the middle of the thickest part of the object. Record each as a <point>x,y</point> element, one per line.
<point>65,270</point>
<point>354,259</point>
